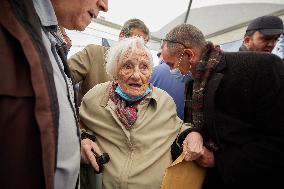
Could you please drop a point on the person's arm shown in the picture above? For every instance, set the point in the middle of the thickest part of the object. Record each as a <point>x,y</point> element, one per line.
<point>87,153</point>
<point>207,159</point>
<point>80,63</point>
<point>191,142</point>
<point>192,146</point>
<point>89,148</point>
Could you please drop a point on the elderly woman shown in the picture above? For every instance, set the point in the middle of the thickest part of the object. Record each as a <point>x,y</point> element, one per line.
<point>134,122</point>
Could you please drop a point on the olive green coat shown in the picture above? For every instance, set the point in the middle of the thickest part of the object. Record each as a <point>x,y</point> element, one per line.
<point>88,67</point>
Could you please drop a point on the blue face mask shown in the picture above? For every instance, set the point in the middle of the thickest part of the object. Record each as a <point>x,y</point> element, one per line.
<point>125,96</point>
<point>179,76</point>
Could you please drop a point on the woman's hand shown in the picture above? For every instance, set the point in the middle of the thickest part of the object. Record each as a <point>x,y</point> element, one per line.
<point>193,146</point>
<point>87,156</point>
<point>207,159</point>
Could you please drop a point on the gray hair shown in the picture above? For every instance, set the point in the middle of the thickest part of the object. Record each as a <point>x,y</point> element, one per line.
<point>125,47</point>
<point>133,24</point>
<point>185,35</point>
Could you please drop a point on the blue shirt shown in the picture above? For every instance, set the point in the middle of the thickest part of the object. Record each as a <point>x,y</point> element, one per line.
<point>163,79</point>
<point>279,47</point>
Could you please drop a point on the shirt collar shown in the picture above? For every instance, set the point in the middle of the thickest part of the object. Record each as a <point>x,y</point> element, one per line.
<point>45,12</point>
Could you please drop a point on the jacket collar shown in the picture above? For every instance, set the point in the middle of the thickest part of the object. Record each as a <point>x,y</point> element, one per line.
<point>243,48</point>
<point>46,14</point>
<point>213,84</point>
<point>222,64</point>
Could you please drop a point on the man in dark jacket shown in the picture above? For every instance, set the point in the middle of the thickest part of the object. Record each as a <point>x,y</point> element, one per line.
<point>262,34</point>
<point>39,136</point>
<point>237,102</point>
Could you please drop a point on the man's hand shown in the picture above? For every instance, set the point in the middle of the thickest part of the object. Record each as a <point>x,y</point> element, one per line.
<point>207,159</point>
<point>87,156</point>
<point>192,146</point>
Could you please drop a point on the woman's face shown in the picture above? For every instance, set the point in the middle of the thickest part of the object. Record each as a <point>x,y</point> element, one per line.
<point>134,73</point>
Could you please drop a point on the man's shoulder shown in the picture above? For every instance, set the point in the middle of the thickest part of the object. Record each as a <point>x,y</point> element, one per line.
<point>95,46</point>
<point>95,52</point>
<point>252,62</point>
<point>162,66</point>
<point>97,91</point>
<point>251,56</point>
<point>161,69</point>
<point>92,49</point>
<point>90,52</point>
<point>248,54</point>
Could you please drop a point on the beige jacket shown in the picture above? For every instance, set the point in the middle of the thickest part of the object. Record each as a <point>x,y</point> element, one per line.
<point>138,157</point>
<point>88,66</point>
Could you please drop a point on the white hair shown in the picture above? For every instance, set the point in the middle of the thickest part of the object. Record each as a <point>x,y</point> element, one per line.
<point>126,47</point>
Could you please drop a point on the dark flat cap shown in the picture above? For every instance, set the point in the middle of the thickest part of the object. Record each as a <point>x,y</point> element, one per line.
<point>267,25</point>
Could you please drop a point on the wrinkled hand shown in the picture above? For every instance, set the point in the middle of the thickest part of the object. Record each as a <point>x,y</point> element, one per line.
<point>207,159</point>
<point>192,146</point>
<point>87,156</point>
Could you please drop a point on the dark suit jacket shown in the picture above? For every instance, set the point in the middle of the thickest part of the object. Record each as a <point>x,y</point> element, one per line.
<point>244,106</point>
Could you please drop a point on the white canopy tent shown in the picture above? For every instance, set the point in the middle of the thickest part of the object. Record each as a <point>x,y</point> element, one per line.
<point>221,21</point>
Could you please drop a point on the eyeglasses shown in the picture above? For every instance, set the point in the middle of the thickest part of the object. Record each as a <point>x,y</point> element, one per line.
<point>174,41</point>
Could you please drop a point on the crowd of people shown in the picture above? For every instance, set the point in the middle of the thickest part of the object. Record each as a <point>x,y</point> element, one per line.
<point>130,120</point>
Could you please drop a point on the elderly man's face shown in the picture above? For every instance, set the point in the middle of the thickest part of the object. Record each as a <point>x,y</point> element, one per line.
<point>175,61</point>
<point>134,74</point>
<point>260,42</point>
<point>77,14</point>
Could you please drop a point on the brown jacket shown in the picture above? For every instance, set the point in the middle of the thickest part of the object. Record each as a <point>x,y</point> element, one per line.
<point>28,101</point>
<point>88,66</point>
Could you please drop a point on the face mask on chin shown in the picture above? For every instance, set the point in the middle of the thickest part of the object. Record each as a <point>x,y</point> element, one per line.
<point>182,77</point>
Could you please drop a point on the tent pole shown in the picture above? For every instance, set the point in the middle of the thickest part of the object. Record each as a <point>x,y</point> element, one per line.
<point>187,12</point>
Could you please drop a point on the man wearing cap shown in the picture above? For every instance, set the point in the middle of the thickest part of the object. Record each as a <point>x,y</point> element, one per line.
<point>262,34</point>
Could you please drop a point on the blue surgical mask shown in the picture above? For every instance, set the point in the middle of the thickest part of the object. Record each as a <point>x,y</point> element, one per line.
<point>125,96</point>
<point>182,77</point>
